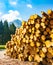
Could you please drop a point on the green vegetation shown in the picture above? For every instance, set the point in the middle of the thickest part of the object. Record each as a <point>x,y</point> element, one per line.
<point>6,31</point>
<point>2,46</point>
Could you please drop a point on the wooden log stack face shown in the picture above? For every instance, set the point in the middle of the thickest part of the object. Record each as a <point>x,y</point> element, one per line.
<point>33,41</point>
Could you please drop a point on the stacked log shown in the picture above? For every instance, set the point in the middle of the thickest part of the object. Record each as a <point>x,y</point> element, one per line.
<point>33,41</point>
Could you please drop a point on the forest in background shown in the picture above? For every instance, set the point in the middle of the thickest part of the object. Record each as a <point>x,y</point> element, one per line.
<point>5,31</point>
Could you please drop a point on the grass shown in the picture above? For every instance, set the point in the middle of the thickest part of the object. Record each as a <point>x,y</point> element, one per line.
<point>2,46</point>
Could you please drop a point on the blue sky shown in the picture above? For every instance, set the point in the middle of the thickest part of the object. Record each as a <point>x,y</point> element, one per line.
<point>22,9</point>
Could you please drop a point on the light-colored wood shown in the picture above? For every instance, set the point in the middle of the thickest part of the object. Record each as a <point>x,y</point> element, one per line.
<point>33,41</point>
<point>30,58</point>
<point>32,44</point>
<point>49,11</point>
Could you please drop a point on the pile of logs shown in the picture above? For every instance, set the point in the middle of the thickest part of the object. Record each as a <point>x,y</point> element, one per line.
<point>33,41</point>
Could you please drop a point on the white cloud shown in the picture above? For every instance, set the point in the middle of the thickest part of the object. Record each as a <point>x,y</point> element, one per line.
<point>12,15</point>
<point>0,13</point>
<point>13,2</point>
<point>29,5</point>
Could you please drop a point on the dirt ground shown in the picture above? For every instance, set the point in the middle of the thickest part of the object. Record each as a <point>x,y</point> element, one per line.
<point>5,60</point>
